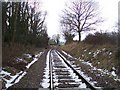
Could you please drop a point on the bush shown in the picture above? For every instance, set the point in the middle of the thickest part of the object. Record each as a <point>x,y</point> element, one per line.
<point>117,56</point>
<point>101,38</point>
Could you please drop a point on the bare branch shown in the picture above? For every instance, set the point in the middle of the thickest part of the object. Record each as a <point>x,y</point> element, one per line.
<point>81,15</point>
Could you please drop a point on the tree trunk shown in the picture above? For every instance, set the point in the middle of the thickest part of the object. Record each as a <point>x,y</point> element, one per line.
<point>79,33</point>
<point>15,21</point>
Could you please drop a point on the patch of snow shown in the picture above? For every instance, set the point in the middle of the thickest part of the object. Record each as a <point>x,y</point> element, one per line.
<point>39,54</point>
<point>5,73</point>
<point>113,68</point>
<point>98,62</point>
<point>28,55</point>
<point>82,55</point>
<point>93,83</point>
<point>83,85</point>
<point>34,60</point>
<point>13,79</point>
<point>81,60</point>
<point>90,53</point>
<point>85,50</point>
<point>96,53</point>
<point>100,70</point>
<point>117,79</point>
<point>72,74</point>
<point>56,84</point>
<point>103,49</point>
<point>45,82</point>
<point>110,53</point>
<point>104,71</point>
<point>67,54</point>
<point>113,73</point>
<point>20,60</point>
<point>73,66</point>
<point>88,63</point>
<point>20,77</point>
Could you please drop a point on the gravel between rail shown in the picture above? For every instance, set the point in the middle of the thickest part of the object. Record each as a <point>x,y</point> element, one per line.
<point>103,81</point>
<point>35,75</point>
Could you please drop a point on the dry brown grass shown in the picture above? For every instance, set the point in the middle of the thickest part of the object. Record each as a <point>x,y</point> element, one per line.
<point>106,61</point>
<point>9,53</point>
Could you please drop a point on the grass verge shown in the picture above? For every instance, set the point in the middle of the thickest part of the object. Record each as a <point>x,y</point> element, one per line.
<point>101,56</point>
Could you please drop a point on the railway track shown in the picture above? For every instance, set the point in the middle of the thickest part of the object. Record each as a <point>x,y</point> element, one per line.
<point>65,76</point>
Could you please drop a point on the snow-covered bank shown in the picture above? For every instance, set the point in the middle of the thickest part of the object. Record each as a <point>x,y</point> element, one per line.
<point>97,75</point>
<point>10,78</point>
<point>102,71</point>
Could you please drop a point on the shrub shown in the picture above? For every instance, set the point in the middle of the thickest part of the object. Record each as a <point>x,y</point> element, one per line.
<point>101,38</point>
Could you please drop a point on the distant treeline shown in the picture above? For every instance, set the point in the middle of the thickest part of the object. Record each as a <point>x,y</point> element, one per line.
<point>23,23</point>
<point>103,38</point>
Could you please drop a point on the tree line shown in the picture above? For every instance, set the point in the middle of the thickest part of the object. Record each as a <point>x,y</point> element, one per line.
<point>23,23</point>
<point>100,38</point>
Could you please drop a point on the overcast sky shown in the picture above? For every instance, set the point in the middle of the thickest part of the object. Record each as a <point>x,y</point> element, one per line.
<point>107,8</point>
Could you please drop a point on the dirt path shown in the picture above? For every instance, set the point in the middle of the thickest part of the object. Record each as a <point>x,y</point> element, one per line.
<point>34,75</point>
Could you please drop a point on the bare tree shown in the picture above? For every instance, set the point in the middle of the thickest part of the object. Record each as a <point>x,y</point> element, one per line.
<point>68,36</point>
<point>80,16</point>
<point>67,32</point>
<point>16,7</point>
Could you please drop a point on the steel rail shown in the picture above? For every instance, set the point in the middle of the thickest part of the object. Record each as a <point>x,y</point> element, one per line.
<point>77,73</point>
<point>51,69</point>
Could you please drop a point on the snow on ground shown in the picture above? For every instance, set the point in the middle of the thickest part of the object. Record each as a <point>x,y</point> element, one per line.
<point>85,50</point>
<point>66,54</point>
<point>110,53</point>
<point>45,81</point>
<point>20,60</point>
<point>83,85</point>
<point>28,55</point>
<point>34,60</point>
<point>13,79</point>
<point>88,63</point>
<point>96,53</point>
<point>103,71</point>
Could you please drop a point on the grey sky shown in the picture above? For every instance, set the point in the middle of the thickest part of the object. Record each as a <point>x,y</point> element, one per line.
<point>108,9</point>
